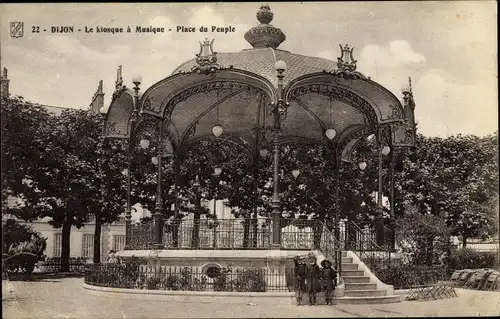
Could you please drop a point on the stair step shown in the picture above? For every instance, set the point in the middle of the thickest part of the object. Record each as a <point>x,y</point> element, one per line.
<point>364,293</point>
<point>367,300</point>
<point>320,299</point>
<point>346,260</point>
<point>360,286</point>
<point>350,273</point>
<point>356,279</point>
<point>349,267</point>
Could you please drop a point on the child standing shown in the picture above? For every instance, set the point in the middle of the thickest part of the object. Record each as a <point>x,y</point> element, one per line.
<point>329,279</point>
<point>300,277</point>
<point>312,279</point>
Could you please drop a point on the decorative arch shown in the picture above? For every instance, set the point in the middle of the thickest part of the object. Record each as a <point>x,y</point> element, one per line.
<point>371,98</point>
<point>161,98</point>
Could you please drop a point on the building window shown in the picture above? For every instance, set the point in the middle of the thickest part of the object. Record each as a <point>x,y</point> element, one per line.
<point>88,245</point>
<point>118,242</point>
<point>57,245</point>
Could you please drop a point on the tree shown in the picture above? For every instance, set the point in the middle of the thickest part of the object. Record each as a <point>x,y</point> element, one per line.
<point>24,125</point>
<point>454,176</point>
<point>104,193</point>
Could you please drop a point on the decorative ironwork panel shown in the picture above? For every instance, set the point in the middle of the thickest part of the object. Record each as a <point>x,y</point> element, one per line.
<point>141,236</point>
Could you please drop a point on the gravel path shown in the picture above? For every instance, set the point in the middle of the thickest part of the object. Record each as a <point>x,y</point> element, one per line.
<point>65,298</point>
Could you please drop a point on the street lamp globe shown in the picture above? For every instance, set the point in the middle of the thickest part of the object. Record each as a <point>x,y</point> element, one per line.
<point>144,143</point>
<point>330,133</point>
<point>280,66</point>
<point>405,89</point>
<point>386,150</point>
<point>217,130</point>
<point>217,171</point>
<point>137,79</point>
<point>362,166</point>
<point>263,152</point>
<point>154,160</point>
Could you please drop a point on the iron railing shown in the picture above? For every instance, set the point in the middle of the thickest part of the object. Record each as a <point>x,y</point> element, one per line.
<point>141,236</point>
<point>361,242</point>
<point>217,234</point>
<point>296,234</point>
<point>189,278</point>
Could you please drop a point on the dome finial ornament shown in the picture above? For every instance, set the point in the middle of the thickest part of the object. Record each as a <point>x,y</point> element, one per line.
<point>265,35</point>
<point>265,15</point>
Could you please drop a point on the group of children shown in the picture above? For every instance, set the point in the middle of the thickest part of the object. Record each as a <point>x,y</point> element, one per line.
<point>312,279</point>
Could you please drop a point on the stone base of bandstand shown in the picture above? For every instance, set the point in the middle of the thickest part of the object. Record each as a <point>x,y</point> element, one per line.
<point>275,262</point>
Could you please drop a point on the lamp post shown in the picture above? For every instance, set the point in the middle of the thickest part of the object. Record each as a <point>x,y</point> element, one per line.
<point>136,79</point>
<point>279,108</point>
<point>158,212</point>
<point>382,150</point>
<point>379,219</point>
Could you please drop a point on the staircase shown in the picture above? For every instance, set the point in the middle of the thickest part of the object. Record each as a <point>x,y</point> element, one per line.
<point>359,287</point>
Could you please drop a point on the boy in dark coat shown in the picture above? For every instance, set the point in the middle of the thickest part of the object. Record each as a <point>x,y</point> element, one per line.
<point>312,279</point>
<point>329,279</point>
<point>300,278</point>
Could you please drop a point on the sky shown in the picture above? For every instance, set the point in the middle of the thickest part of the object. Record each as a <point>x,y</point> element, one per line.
<point>447,48</point>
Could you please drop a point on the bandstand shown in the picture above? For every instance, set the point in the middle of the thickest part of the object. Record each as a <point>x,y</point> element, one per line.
<point>258,100</point>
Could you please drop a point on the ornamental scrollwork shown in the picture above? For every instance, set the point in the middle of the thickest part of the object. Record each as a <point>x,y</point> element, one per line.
<point>204,88</point>
<point>395,113</point>
<point>112,128</point>
<point>338,93</point>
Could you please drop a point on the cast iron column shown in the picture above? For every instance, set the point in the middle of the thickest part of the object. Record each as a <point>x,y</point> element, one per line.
<point>158,214</point>
<point>276,213</point>
<point>337,214</point>
<point>392,221</point>
<point>379,219</point>
<point>276,205</point>
<point>133,120</point>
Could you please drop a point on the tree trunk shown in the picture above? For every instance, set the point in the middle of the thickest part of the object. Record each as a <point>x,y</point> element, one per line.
<point>430,251</point>
<point>464,241</point>
<point>65,245</point>
<point>246,232</point>
<point>97,239</point>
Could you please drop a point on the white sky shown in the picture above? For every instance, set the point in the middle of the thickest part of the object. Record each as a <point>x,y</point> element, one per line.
<point>448,48</point>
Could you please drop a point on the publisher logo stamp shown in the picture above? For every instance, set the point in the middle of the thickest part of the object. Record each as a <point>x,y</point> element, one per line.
<point>16,29</point>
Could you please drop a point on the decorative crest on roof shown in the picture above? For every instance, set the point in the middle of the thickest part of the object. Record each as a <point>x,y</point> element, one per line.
<point>408,95</point>
<point>119,79</point>
<point>265,35</point>
<point>207,59</point>
<point>346,61</point>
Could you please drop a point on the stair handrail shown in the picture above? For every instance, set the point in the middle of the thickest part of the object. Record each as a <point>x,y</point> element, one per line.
<point>368,255</point>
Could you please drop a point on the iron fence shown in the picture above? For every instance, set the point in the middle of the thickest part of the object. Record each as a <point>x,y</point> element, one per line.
<point>189,278</point>
<point>141,236</point>
<point>53,265</point>
<point>217,233</point>
<point>296,234</point>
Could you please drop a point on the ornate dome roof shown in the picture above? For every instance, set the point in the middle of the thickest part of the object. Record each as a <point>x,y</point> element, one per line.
<point>326,101</point>
<point>265,39</point>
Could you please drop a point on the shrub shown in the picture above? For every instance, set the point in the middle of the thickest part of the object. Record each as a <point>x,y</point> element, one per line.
<point>250,280</point>
<point>467,258</point>
<point>404,276</point>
